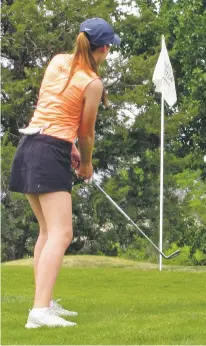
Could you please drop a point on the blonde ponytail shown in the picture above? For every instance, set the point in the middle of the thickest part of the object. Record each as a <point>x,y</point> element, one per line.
<point>83,57</point>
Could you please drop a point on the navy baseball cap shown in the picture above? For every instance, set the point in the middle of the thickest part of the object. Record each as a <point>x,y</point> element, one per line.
<point>100,32</point>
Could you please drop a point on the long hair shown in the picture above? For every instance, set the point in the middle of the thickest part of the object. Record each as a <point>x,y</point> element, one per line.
<point>83,57</point>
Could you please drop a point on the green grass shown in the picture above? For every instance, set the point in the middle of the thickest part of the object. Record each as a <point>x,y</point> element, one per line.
<point>117,304</point>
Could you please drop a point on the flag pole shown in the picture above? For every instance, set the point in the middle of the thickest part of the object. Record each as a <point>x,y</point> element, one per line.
<point>161,176</point>
<point>163,79</point>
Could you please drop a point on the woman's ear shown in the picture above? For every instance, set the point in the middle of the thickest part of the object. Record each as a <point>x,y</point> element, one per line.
<point>103,49</point>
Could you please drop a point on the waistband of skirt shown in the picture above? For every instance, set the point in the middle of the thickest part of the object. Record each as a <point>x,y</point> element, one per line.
<point>57,142</point>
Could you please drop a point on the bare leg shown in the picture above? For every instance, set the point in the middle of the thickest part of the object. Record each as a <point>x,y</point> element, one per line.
<point>42,238</point>
<point>57,211</point>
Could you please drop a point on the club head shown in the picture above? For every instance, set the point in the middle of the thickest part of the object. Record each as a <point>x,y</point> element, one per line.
<point>174,254</point>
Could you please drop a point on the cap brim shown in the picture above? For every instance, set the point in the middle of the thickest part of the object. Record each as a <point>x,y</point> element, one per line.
<point>117,40</point>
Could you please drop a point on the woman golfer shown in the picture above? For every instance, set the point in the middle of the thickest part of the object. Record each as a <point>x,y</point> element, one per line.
<point>70,94</point>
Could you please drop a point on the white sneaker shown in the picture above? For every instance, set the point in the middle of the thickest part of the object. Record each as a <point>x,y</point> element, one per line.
<point>46,317</point>
<point>59,310</point>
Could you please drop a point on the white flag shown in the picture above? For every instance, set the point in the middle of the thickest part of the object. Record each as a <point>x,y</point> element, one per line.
<point>163,77</point>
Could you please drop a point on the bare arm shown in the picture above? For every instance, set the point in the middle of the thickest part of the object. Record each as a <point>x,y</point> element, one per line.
<point>86,132</point>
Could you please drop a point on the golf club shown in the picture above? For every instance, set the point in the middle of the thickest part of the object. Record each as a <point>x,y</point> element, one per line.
<point>174,254</point>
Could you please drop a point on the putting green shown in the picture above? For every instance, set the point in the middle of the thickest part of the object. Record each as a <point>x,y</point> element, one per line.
<point>117,303</point>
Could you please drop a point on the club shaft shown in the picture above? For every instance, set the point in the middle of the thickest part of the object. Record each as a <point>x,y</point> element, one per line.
<point>128,218</point>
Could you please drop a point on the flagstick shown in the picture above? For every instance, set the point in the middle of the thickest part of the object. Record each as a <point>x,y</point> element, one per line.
<point>164,82</point>
<point>161,177</point>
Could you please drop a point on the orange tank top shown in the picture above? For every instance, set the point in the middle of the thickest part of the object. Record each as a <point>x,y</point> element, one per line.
<point>60,112</point>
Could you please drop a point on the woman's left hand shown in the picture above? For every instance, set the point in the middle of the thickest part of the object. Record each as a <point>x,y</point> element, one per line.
<point>75,157</point>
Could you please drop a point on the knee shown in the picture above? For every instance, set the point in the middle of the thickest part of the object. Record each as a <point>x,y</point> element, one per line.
<point>64,237</point>
<point>67,238</point>
<point>43,232</point>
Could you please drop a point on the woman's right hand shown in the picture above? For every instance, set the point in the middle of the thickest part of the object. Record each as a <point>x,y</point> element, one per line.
<point>85,170</point>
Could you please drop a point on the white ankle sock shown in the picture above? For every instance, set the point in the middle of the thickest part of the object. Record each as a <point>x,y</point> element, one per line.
<point>40,310</point>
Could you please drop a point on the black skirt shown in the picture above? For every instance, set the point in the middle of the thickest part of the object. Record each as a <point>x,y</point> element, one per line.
<point>41,164</point>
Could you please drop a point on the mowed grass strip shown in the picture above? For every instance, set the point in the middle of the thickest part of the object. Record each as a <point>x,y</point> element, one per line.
<point>116,306</point>
<point>84,261</point>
